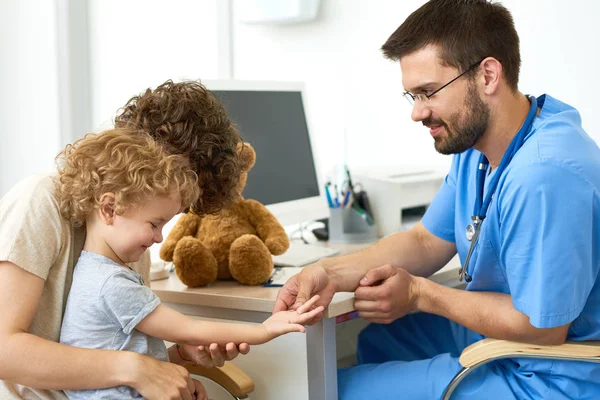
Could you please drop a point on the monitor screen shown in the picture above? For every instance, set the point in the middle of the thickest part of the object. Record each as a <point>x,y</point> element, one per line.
<point>271,116</point>
<point>274,124</point>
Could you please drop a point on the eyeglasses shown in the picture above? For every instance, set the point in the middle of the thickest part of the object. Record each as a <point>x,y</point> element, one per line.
<point>424,96</point>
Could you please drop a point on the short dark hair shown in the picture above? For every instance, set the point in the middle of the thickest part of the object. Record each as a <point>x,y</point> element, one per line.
<point>186,118</point>
<point>465,31</point>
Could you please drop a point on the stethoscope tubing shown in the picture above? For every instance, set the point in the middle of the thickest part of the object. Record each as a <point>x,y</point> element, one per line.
<point>481,206</point>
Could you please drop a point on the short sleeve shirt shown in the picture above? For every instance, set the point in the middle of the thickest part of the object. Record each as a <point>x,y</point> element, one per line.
<point>105,304</point>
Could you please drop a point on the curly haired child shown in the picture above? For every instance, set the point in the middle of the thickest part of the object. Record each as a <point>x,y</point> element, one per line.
<point>124,187</point>
<point>39,249</point>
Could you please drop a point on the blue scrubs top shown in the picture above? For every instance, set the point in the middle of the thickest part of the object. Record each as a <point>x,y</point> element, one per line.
<point>540,241</point>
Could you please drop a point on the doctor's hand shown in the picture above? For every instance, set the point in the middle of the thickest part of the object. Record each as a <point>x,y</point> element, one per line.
<point>301,287</point>
<point>213,355</point>
<point>386,294</point>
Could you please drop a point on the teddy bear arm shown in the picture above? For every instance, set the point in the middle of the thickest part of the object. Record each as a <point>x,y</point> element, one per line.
<point>267,227</point>
<point>187,225</point>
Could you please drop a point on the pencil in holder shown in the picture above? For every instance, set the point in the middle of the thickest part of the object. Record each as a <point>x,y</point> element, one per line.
<point>349,225</point>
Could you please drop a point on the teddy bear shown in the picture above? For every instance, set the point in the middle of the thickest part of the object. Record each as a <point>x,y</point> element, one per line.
<point>235,243</point>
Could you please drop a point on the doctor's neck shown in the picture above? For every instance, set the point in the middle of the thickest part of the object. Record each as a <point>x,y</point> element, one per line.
<point>507,115</point>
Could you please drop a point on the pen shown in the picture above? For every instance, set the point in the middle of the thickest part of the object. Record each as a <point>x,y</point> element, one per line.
<point>328,195</point>
<point>346,197</point>
<point>350,202</point>
<point>349,179</point>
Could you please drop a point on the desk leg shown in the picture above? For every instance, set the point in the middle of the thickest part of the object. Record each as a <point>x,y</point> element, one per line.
<point>322,360</point>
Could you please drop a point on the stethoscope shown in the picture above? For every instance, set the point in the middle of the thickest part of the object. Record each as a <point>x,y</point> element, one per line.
<point>481,204</point>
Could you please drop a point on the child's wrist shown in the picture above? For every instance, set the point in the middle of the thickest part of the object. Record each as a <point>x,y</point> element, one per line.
<point>264,334</point>
<point>180,352</point>
<point>177,355</point>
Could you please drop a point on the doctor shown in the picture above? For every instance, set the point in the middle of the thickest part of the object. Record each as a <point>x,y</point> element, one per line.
<point>525,180</point>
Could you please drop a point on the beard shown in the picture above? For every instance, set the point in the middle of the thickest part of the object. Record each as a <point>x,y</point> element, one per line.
<point>463,133</point>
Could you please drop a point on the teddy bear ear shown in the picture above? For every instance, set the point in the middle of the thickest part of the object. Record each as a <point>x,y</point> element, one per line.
<point>247,155</point>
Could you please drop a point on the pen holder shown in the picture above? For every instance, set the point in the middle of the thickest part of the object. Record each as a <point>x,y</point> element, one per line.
<point>346,225</point>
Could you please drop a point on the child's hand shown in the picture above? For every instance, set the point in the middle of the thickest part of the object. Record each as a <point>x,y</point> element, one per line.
<point>213,355</point>
<point>284,322</point>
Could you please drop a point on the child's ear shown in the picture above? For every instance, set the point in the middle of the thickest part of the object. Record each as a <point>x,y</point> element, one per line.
<point>107,208</point>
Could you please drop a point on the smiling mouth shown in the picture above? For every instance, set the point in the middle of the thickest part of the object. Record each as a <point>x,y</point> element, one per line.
<point>432,123</point>
<point>434,130</point>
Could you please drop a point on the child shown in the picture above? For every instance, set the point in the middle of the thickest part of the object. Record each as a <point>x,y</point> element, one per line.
<point>124,187</point>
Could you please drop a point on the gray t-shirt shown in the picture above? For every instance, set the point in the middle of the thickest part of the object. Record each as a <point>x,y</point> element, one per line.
<point>105,304</point>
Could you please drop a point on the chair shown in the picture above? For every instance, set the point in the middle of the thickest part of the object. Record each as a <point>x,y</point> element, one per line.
<point>229,377</point>
<point>487,350</point>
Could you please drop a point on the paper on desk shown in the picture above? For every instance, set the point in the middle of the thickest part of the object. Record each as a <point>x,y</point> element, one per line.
<point>281,275</point>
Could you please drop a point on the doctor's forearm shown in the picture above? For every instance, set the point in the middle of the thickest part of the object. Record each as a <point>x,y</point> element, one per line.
<point>410,250</point>
<point>348,270</point>
<point>488,313</point>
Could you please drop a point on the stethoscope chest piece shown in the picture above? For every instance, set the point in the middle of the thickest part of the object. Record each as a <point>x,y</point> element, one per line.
<point>473,228</point>
<point>470,232</point>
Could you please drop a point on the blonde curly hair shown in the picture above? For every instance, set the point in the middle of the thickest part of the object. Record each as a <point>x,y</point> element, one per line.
<point>128,163</point>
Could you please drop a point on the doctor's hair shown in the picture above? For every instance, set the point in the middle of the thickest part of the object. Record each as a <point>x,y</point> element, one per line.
<point>129,164</point>
<point>188,119</point>
<point>464,31</point>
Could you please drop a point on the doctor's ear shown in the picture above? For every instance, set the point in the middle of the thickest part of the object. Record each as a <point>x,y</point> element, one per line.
<point>107,207</point>
<point>491,74</point>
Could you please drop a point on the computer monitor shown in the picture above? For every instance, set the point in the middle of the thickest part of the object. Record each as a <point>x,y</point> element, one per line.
<point>271,116</point>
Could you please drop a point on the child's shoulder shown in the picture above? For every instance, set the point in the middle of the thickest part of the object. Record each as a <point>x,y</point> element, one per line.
<point>96,270</point>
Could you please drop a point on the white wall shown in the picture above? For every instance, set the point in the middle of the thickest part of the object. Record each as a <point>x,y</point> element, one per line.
<point>136,44</point>
<point>29,118</point>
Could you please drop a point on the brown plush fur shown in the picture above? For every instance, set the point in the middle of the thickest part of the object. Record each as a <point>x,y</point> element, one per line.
<point>235,243</point>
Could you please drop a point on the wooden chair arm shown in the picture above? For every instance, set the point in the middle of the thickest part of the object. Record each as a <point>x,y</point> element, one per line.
<point>487,349</point>
<point>229,376</point>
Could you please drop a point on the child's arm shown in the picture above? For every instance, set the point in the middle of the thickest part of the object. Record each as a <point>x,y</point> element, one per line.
<point>170,325</point>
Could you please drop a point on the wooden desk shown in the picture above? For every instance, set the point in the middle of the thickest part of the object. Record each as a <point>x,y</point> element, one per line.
<point>232,301</point>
